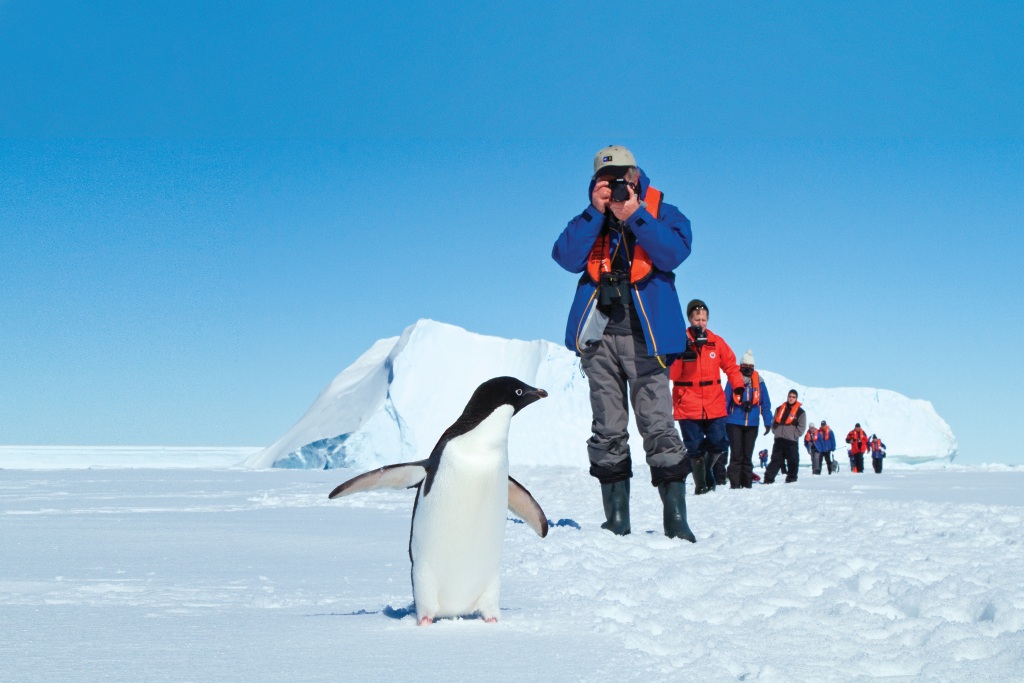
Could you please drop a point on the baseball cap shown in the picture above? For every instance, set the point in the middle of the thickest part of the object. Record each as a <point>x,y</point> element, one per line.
<point>613,155</point>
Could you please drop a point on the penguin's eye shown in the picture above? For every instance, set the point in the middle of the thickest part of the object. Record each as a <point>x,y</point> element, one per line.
<point>519,392</point>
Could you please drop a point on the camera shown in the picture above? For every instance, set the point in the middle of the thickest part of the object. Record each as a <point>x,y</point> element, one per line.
<point>620,189</point>
<point>700,338</point>
<point>612,288</point>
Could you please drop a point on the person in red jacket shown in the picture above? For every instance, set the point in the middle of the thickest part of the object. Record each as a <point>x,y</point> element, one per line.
<point>858,441</point>
<point>697,398</point>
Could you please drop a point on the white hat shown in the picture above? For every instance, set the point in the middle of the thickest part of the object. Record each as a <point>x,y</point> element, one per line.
<point>748,358</point>
<point>613,155</point>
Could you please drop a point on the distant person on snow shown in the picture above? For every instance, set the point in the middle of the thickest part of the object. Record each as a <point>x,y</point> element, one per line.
<point>826,444</point>
<point>859,444</point>
<point>812,450</point>
<point>763,454</point>
<point>697,397</point>
<point>742,422</point>
<point>877,453</point>
<point>626,326</point>
<point>788,426</point>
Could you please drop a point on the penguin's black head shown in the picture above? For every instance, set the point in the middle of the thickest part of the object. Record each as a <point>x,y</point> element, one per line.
<point>504,391</point>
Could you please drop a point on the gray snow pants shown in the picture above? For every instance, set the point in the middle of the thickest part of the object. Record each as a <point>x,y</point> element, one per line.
<point>819,459</point>
<point>621,372</point>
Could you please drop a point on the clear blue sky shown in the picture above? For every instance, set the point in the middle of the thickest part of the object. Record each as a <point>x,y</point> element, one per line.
<point>207,210</point>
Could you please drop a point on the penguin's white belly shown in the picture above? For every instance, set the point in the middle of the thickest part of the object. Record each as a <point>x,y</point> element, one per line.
<point>459,529</point>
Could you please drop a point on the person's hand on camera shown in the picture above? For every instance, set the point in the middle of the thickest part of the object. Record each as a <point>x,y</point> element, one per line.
<point>601,196</point>
<point>623,210</point>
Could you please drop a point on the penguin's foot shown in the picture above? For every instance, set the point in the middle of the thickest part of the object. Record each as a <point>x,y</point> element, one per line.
<point>425,621</point>
<point>491,620</point>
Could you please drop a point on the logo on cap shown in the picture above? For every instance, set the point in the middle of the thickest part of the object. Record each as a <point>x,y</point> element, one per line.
<point>606,158</point>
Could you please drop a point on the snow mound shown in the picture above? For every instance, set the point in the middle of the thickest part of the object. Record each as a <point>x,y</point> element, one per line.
<point>394,402</point>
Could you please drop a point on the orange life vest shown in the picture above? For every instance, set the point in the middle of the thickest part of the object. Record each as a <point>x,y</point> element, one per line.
<point>755,397</point>
<point>858,440</point>
<point>791,418</point>
<point>600,259</point>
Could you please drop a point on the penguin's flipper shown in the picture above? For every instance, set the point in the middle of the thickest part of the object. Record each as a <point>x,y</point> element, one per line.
<point>522,505</point>
<point>400,476</point>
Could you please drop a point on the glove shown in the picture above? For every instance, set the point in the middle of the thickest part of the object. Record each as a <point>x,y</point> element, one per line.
<point>767,428</point>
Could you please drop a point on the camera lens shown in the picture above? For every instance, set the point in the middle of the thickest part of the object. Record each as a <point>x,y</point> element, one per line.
<point>620,190</point>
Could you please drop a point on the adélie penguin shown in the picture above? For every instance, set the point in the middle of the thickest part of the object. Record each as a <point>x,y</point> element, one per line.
<point>463,491</point>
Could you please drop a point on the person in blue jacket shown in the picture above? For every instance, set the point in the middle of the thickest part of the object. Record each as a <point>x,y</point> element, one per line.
<point>877,453</point>
<point>626,325</point>
<point>741,422</point>
<point>825,443</point>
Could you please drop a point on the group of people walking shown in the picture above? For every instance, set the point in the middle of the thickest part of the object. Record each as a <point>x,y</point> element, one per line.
<point>628,328</point>
<point>820,443</point>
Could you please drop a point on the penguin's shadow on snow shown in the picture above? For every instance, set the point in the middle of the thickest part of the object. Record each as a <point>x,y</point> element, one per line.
<point>388,611</point>
<point>571,523</point>
<point>392,612</point>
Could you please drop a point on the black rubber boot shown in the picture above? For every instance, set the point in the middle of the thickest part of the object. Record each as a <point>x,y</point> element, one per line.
<point>700,476</point>
<point>673,497</point>
<point>616,507</point>
<point>712,462</point>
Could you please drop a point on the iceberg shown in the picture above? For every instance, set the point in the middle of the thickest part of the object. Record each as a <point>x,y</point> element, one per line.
<point>392,404</point>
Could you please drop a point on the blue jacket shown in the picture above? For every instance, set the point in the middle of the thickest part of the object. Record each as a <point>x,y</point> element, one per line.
<point>824,445</point>
<point>666,240</point>
<point>735,415</point>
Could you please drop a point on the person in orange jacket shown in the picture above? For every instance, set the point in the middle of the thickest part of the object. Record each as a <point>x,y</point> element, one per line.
<point>810,436</point>
<point>697,398</point>
<point>858,441</point>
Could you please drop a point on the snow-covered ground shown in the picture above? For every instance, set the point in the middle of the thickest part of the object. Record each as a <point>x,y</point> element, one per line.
<point>232,574</point>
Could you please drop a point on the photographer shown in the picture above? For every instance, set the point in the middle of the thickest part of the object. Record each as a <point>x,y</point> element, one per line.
<point>625,324</point>
<point>697,397</point>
